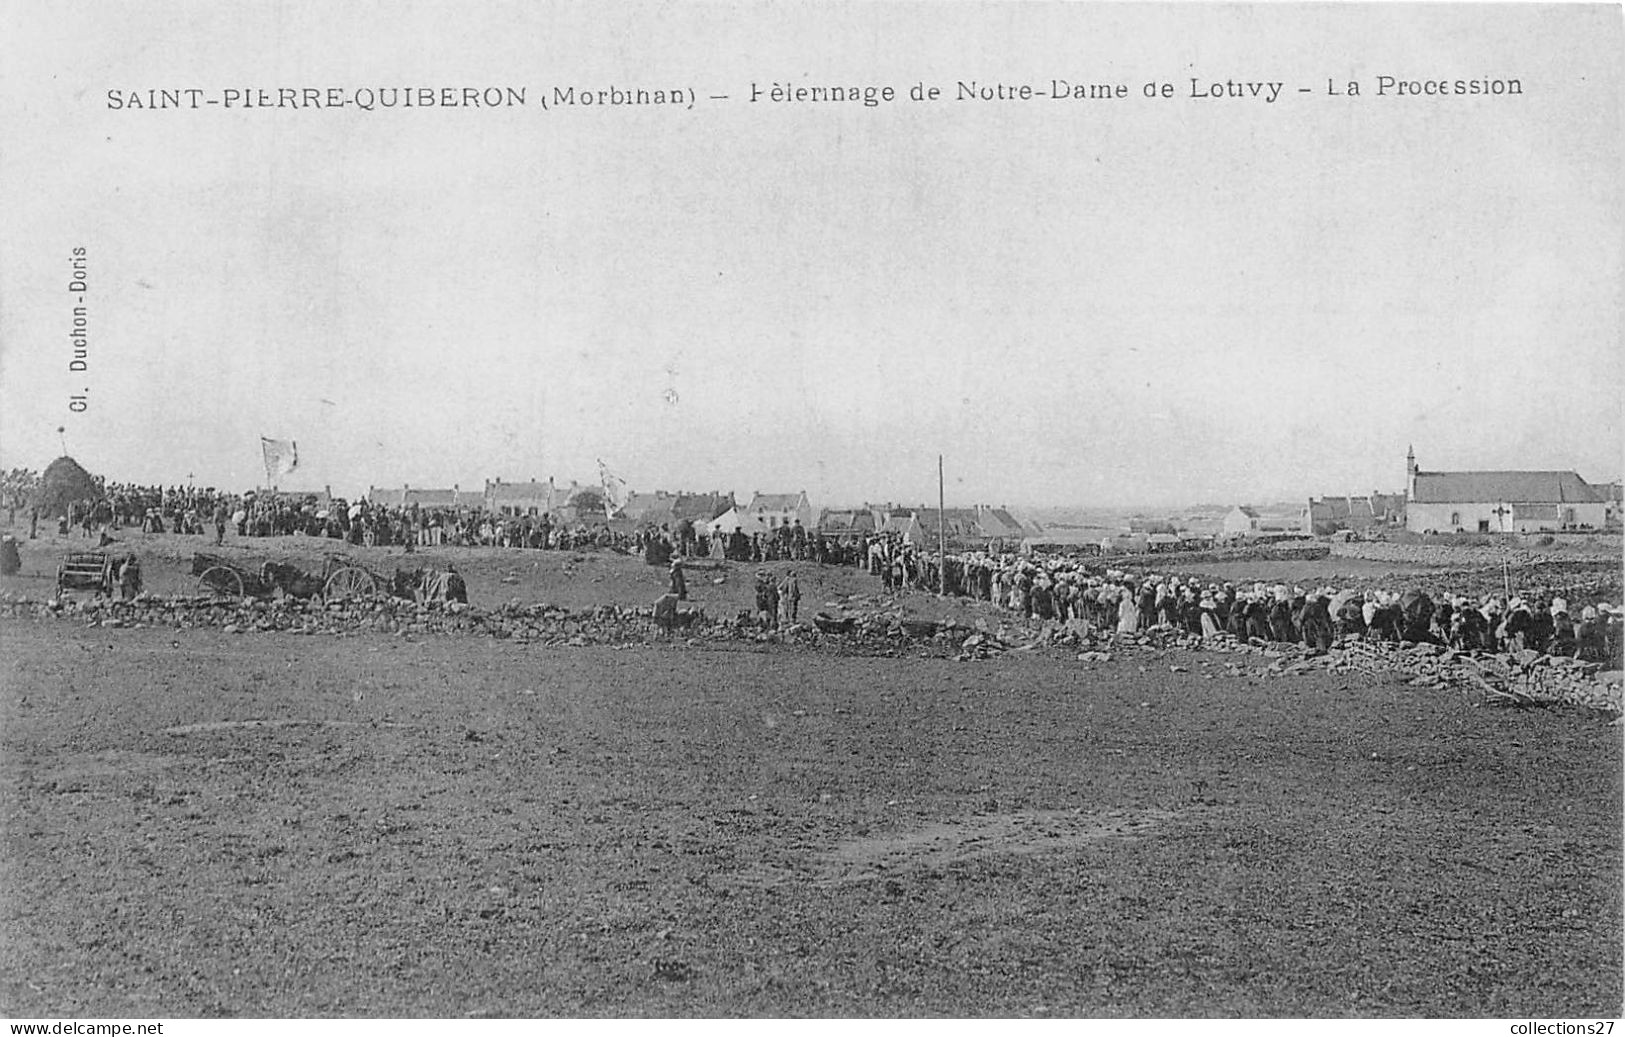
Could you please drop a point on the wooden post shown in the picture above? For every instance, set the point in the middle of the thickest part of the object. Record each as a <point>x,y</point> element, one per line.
<point>942,533</point>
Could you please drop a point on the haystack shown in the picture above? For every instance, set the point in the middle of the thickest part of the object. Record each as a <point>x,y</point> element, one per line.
<point>64,482</point>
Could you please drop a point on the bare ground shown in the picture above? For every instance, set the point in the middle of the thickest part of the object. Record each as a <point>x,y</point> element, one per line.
<point>198,823</point>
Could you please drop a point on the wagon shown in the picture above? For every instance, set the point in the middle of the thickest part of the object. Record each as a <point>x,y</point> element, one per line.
<point>221,576</point>
<point>340,579</point>
<point>85,570</point>
<point>344,579</point>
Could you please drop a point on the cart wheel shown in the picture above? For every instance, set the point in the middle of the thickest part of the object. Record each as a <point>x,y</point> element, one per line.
<point>349,583</point>
<point>221,581</point>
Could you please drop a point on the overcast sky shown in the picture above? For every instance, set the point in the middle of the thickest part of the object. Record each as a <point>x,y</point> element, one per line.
<point>1077,302</point>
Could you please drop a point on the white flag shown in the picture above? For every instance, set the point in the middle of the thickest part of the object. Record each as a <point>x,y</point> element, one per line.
<point>614,490</point>
<point>281,456</point>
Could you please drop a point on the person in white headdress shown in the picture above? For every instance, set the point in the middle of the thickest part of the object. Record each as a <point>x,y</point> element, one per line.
<point>1564,635</point>
<point>1210,615</point>
<point>1128,612</point>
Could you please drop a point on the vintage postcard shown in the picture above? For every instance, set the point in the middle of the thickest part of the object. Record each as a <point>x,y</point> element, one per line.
<point>862,510</point>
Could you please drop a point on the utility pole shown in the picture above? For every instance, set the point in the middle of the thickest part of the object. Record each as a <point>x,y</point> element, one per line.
<point>942,533</point>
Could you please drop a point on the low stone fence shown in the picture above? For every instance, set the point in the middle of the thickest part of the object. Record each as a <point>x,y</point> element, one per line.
<point>1465,556</point>
<point>1525,679</point>
<point>1284,551</point>
<point>541,623</point>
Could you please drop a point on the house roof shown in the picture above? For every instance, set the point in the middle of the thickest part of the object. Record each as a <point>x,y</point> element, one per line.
<point>1003,518</point>
<point>520,490</point>
<point>430,498</point>
<point>958,521</point>
<point>1496,487</point>
<point>648,507</point>
<point>898,522</point>
<point>777,501</point>
<point>401,497</point>
<point>1146,525</point>
<point>852,520</point>
<point>1247,510</point>
<point>1340,507</point>
<point>700,507</point>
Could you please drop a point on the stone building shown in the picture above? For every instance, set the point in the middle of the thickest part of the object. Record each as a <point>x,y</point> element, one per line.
<point>1500,502</point>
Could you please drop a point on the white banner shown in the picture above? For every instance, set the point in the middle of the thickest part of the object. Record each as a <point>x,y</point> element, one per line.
<point>281,457</point>
<point>614,490</point>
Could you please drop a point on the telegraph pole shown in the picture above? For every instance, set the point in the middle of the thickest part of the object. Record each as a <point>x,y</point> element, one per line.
<point>942,533</point>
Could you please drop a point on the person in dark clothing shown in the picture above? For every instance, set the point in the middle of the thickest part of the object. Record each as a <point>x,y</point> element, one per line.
<point>679,582</point>
<point>1317,624</point>
<point>129,578</point>
<point>1565,639</point>
<point>1258,620</point>
<point>767,600</point>
<point>1236,622</point>
<point>1541,627</point>
<point>1416,610</point>
<point>1148,605</point>
<point>1190,613</point>
<point>1351,617</point>
<point>1517,627</point>
<point>1591,640</point>
<point>1443,618</point>
<point>1043,602</point>
<point>1467,628</point>
<point>1280,620</point>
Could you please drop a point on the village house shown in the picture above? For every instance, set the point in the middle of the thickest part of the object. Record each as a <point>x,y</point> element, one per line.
<point>406,496</point>
<point>516,499</point>
<point>650,509</point>
<point>846,522</point>
<point>321,499</point>
<point>1244,520</point>
<point>781,509</point>
<point>1613,496</point>
<point>1500,502</point>
<point>1356,514</point>
<point>999,524</point>
<point>701,507</point>
<point>978,523</point>
<point>1148,526</point>
<point>667,509</point>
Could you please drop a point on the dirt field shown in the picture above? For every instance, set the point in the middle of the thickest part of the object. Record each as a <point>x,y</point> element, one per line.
<point>199,823</point>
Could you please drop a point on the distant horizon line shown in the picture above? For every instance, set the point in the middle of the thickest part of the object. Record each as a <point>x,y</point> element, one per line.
<point>1270,501</point>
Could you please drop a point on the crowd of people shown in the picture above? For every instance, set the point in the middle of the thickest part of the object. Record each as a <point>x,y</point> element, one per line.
<point>207,511</point>
<point>1060,589</point>
<point>1066,590</point>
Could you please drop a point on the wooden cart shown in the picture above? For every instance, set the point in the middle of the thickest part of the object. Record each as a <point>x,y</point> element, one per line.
<point>340,579</point>
<point>86,570</point>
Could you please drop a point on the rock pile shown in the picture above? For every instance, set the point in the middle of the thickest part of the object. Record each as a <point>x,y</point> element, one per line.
<point>980,645</point>
<point>1524,679</point>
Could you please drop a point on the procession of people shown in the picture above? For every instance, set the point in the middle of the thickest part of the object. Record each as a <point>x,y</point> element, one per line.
<point>1060,589</point>
<point>1068,590</point>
